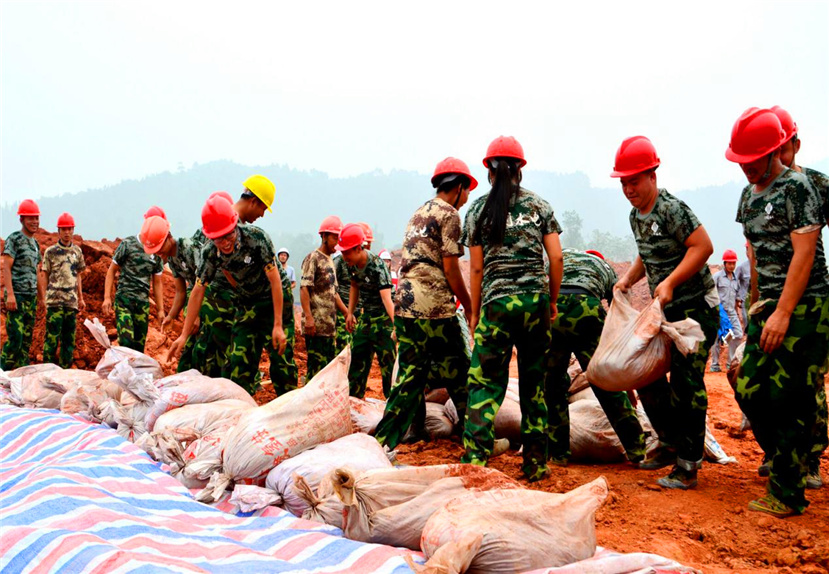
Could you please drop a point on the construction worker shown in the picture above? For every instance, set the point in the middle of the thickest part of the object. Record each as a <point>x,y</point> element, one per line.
<point>385,257</point>
<point>319,298</point>
<point>182,256</point>
<point>513,300</point>
<point>673,252</point>
<point>21,261</point>
<point>283,255</point>
<point>586,280</point>
<point>728,289</point>
<point>245,255</point>
<point>374,332</point>
<point>343,336</point>
<point>428,330</point>
<point>155,210</point>
<point>743,275</point>
<point>132,297</point>
<point>786,349</point>
<point>63,264</point>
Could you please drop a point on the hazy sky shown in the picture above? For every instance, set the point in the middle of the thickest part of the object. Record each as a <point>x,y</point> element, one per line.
<point>96,92</point>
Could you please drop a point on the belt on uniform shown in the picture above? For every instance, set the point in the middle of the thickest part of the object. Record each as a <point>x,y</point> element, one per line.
<point>568,290</point>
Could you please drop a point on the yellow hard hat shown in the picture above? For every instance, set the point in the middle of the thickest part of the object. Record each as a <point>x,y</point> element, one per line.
<point>261,187</point>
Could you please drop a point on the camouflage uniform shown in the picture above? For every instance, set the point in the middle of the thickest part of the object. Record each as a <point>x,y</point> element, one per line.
<point>515,311</point>
<point>343,337</point>
<point>20,324</point>
<point>62,265</point>
<point>373,333</point>
<point>283,371</point>
<point>778,391</point>
<point>132,296</point>
<point>587,280</point>
<point>319,277</point>
<point>183,265</point>
<point>678,410</point>
<point>429,333</point>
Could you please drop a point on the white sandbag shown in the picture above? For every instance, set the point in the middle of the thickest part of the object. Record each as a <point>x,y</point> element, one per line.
<point>392,506</point>
<point>84,401</point>
<point>167,446</point>
<point>45,389</point>
<point>512,530</point>
<point>268,435</point>
<point>437,424</point>
<point>249,498</point>
<point>323,505</point>
<point>366,414</point>
<point>591,436</point>
<point>586,394</point>
<point>127,421</point>
<point>202,459</point>
<point>31,370</point>
<point>204,418</point>
<point>635,347</point>
<point>357,452</point>
<point>113,355</point>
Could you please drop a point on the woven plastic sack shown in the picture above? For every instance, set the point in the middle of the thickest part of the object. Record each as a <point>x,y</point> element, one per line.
<point>204,418</point>
<point>635,347</point>
<point>45,389</point>
<point>366,414</point>
<point>86,399</point>
<point>113,355</point>
<point>592,438</point>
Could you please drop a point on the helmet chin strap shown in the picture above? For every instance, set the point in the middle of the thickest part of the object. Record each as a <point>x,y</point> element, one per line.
<point>768,168</point>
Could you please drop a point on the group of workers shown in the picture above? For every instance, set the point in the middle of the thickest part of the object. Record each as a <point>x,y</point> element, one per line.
<point>524,292</point>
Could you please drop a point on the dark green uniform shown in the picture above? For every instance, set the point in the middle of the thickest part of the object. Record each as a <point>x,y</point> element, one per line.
<point>62,264</point>
<point>373,333</point>
<point>132,296</point>
<point>586,281</point>
<point>283,371</point>
<point>343,337</point>
<point>429,337</point>
<point>319,278</point>
<point>515,311</point>
<point>20,324</point>
<point>183,265</point>
<point>777,390</point>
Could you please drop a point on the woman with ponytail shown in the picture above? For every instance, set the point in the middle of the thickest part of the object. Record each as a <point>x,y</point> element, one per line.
<point>513,301</point>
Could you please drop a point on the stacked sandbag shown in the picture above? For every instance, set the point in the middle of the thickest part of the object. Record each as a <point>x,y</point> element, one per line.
<point>44,389</point>
<point>204,418</point>
<point>85,400</point>
<point>366,414</point>
<point>113,355</point>
<point>512,530</point>
<point>592,438</point>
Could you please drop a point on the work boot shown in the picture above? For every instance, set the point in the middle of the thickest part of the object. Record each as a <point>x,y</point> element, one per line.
<point>764,469</point>
<point>770,505</point>
<point>499,447</point>
<point>558,461</point>
<point>659,457</point>
<point>679,478</point>
<point>715,369</point>
<point>813,478</point>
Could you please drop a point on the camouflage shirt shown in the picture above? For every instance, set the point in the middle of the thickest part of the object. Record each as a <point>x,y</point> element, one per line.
<point>319,278</point>
<point>252,256</point>
<point>26,254</point>
<point>660,238</point>
<point>62,266</point>
<point>137,267</point>
<point>343,279</point>
<point>371,279</point>
<point>185,262</point>
<point>769,217</point>
<point>220,282</point>
<point>820,181</point>
<point>588,272</point>
<point>517,266</point>
<point>433,233</point>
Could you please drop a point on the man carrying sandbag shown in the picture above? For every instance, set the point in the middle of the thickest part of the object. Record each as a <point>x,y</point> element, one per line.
<point>586,281</point>
<point>787,345</point>
<point>673,250</point>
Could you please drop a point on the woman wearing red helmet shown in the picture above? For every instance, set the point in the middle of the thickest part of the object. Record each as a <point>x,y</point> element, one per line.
<point>508,231</point>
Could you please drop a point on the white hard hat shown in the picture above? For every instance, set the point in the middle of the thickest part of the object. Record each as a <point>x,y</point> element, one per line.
<point>384,255</point>
<point>284,250</point>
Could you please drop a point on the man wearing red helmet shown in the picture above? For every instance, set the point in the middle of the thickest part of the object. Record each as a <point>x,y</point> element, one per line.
<point>63,264</point>
<point>428,328</point>
<point>21,260</point>
<point>728,289</point>
<point>673,252</point>
<point>786,348</point>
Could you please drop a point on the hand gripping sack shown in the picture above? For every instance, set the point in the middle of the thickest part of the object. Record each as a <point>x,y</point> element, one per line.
<point>512,530</point>
<point>113,355</point>
<point>635,347</point>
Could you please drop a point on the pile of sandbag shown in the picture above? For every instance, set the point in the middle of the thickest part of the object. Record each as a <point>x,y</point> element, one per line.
<point>114,354</point>
<point>507,419</point>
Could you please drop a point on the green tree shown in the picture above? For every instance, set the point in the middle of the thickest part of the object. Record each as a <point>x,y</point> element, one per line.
<point>571,224</point>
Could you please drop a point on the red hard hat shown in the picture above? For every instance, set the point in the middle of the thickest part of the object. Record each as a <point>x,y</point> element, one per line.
<point>367,231</point>
<point>786,121</point>
<point>154,233</point>
<point>635,155</point>
<point>223,194</point>
<point>218,217</point>
<point>596,253</point>
<point>453,165</point>
<point>351,236</point>
<point>755,134</point>
<point>331,224</point>
<point>155,210</point>
<point>729,256</point>
<point>28,208</point>
<point>65,220</point>
<point>505,146</point>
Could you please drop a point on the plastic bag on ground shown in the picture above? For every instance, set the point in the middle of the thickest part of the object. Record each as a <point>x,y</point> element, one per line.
<point>635,347</point>
<point>366,414</point>
<point>591,436</point>
<point>268,435</point>
<point>512,530</point>
<point>113,355</point>
<point>357,452</point>
<point>205,418</point>
<point>392,506</point>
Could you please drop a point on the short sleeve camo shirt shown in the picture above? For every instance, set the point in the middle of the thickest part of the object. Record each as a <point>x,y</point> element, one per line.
<point>819,181</point>
<point>319,278</point>
<point>137,267</point>
<point>62,265</point>
<point>252,256</point>
<point>185,262</point>
<point>26,254</point>
<point>588,272</point>
<point>371,279</point>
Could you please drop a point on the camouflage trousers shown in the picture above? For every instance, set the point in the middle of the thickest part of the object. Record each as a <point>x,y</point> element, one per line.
<point>577,330</point>
<point>20,326</point>
<point>677,409</point>
<point>132,321</point>
<point>522,321</point>
<point>372,335</point>
<point>343,337</point>
<point>778,393</point>
<point>61,323</point>
<point>187,360</point>
<point>283,371</point>
<point>321,351</point>
<point>213,340</point>
<point>425,347</point>
<point>252,326</point>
